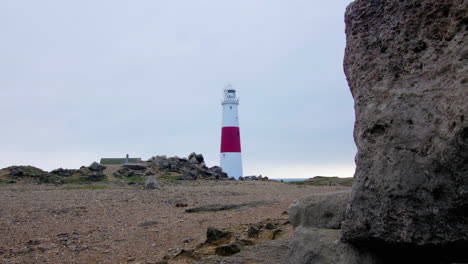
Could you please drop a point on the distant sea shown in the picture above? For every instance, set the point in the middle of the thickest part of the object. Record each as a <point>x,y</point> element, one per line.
<point>291,179</point>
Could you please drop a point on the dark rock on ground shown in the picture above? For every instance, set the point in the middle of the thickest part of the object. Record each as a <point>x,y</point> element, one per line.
<point>229,250</point>
<point>270,226</point>
<point>222,207</point>
<point>216,236</point>
<point>152,184</point>
<point>270,252</point>
<point>407,66</point>
<point>253,231</point>
<point>320,211</point>
<point>96,167</point>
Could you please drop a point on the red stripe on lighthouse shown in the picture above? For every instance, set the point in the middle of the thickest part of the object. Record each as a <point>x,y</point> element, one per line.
<point>230,139</point>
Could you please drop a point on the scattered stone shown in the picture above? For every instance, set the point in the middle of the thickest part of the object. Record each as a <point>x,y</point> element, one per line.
<point>270,226</point>
<point>152,184</point>
<point>43,247</point>
<point>216,236</point>
<point>34,242</point>
<point>181,205</point>
<point>96,167</point>
<point>253,231</point>
<point>229,250</point>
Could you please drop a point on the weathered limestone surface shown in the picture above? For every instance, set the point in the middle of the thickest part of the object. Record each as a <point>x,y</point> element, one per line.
<point>319,211</point>
<point>407,66</point>
<point>317,221</point>
<point>323,246</point>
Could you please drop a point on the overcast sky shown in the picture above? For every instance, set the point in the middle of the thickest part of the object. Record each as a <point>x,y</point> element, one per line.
<point>81,80</point>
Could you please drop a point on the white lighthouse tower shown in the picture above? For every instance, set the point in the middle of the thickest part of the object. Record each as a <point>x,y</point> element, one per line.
<point>231,159</point>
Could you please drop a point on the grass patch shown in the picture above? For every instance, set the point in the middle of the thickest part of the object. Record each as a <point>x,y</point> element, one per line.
<point>77,180</point>
<point>87,187</point>
<point>326,181</point>
<point>137,179</point>
<point>3,182</point>
<point>170,177</point>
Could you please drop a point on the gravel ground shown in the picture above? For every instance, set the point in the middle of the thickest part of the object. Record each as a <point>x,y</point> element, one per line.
<point>119,224</point>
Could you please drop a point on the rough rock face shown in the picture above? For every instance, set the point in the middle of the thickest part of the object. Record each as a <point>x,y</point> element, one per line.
<point>407,66</point>
<point>317,221</point>
<point>319,211</point>
<point>323,246</point>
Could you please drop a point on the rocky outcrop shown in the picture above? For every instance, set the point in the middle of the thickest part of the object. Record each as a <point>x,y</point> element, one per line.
<point>406,64</point>
<point>191,168</point>
<point>32,174</point>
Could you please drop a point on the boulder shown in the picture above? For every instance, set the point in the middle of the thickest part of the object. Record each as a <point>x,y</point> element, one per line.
<point>189,175</point>
<point>198,157</point>
<point>152,184</point>
<point>319,211</point>
<point>323,246</point>
<point>96,167</point>
<point>406,64</point>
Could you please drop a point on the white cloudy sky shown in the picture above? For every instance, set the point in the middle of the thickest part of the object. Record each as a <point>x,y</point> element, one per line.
<point>81,80</point>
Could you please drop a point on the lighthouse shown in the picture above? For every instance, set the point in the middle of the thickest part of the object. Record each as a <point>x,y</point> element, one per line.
<point>231,159</point>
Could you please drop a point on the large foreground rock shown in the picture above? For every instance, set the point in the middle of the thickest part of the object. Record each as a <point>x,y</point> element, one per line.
<point>323,246</point>
<point>407,66</point>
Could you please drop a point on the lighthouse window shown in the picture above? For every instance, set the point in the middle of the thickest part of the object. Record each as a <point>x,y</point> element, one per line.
<point>230,107</point>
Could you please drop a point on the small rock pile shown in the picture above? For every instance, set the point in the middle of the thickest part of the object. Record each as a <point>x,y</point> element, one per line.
<point>253,178</point>
<point>191,168</point>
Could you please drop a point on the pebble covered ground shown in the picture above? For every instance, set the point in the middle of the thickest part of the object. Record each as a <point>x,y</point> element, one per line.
<point>122,224</point>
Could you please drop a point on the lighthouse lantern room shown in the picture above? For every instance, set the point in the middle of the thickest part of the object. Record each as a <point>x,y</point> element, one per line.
<point>231,159</point>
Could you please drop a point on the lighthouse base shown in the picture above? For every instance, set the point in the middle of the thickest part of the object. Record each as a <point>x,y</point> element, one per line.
<point>231,163</point>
